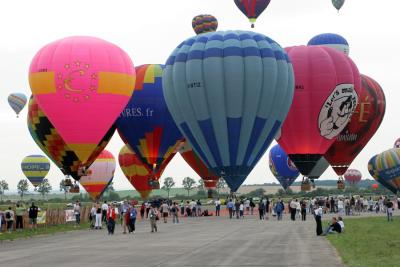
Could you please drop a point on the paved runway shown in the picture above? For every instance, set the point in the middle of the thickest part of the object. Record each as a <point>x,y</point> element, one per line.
<point>194,242</point>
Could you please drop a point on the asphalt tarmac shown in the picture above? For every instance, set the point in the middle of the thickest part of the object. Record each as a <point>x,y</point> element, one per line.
<point>205,241</point>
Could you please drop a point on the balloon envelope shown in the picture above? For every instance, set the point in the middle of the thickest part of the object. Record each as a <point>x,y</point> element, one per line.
<point>352,176</point>
<point>282,167</point>
<point>209,178</point>
<point>139,175</point>
<point>51,143</point>
<point>385,168</point>
<point>17,101</point>
<point>397,143</point>
<point>229,93</point>
<point>146,124</point>
<point>100,175</point>
<point>331,40</point>
<point>325,97</point>
<point>252,8</point>
<point>338,4</point>
<point>35,168</point>
<point>77,80</point>
<point>363,124</point>
<point>204,23</point>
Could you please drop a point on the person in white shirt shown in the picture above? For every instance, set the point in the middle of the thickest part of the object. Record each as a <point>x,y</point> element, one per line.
<point>247,206</point>
<point>340,207</point>
<point>341,223</point>
<point>104,209</point>
<point>192,205</point>
<point>241,209</point>
<point>318,219</point>
<point>217,207</point>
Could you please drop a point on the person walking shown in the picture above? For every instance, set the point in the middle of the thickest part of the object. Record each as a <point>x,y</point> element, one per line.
<point>99,216</point>
<point>131,219</point>
<point>247,206</point>
<point>241,210</point>
<point>261,210</point>
<point>293,207</point>
<point>193,208</point>
<point>110,215</point>
<point>175,212</point>
<point>303,209</point>
<point>9,219</point>
<point>252,206</point>
<point>279,208</point>
<point>77,213</point>
<point>32,214</point>
<point>318,219</point>
<point>229,206</point>
<point>298,209</point>
<point>198,208</point>
<point>92,216</point>
<point>153,215</point>
<point>237,208</point>
<point>19,214</point>
<point>217,207</point>
<point>104,209</point>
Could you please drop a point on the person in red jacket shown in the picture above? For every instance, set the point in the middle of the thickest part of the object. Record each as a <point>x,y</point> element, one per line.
<point>111,219</point>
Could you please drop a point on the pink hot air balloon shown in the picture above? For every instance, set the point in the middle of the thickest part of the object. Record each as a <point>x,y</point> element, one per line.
<point>82,84</point>
<point>326,86</point>
<point>352,176</point>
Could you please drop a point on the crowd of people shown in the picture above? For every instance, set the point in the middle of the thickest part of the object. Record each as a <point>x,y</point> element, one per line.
<point>15,215</point>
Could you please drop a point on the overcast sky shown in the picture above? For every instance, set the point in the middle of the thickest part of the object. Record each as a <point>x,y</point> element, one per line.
<point>149,30</point>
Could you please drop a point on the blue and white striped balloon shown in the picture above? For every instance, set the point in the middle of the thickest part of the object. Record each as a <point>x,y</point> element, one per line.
<point>229,93</point>
<point>331,40</point>
<point>17,102</point>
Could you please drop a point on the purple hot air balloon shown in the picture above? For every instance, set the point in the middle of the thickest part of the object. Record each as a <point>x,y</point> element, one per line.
<point>252,8</point>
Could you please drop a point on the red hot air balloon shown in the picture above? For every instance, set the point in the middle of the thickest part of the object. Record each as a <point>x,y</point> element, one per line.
<point>194,161</point>
<point>375,186</point>
<point>352,176</point>
<point>364,123</point>
<point>326,86</point>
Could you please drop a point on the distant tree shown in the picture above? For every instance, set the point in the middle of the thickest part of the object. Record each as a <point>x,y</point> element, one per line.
<point>22,187</point>
<point>44,187</point>
<point>259,192</point>
<point>220,185</point>
<point>64,188</point>
<point>188,183</point>
<point>3,187</point>
<point>168,184</point>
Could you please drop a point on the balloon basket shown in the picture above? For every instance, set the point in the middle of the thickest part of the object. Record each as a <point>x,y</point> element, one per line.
<point>340,183</point>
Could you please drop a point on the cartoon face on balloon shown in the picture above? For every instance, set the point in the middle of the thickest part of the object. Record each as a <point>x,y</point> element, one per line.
<point>77,81</point>
<point>337,110</point>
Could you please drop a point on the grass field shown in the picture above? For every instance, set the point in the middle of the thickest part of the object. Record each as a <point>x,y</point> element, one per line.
<point>26,233</point>
<point>369,242</point>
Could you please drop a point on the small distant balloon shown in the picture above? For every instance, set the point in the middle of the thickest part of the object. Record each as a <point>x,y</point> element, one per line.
<point>204,23</point>
<point>17,102</point>
<point>352,176</point>
<point>252,8</point>
<point>332,40</point>
<point>397,143</point>
<point>35,168</point>
<point>338,4</point>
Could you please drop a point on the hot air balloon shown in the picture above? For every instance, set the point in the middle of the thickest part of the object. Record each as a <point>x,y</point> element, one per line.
<point>76,81</point>
<point>352,176</point>
<point>139,175</point>
<point>35,168</point>
<point>209,178</point>
<point>364,123</point>
<point>385,168</point>
<point>375,186</point>
<point>146,124</point>
<point>229,93</point>
<point>17,101</point>
<point>332,40</point>
<point>397,143</point>
<point>338,4</point>
<point>327,83</point>
<point>252,8</point>
<point>99,175</point>
<point>204,23</point>
<point>52,144</point>
<point>282,167</point>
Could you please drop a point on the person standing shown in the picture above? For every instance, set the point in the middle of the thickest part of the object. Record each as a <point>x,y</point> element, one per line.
<point>332,205</point>
<point>237,208</point>
<point>9,219</point>
<point>110,215</point>
<point>19,214</point>
<point>124,210</point>
<point>241,210</point>
<point>261,209</point>
<point>279,208</point>
<point>193,208</point>
<point>318,219</point>
<point>182,206</point>
<point>217,207</point>
<point>229,206</point>
<point>252,206</point>
<point>99,215</point>
<point>398,203</point>
<point>175,212</point>
<point>33,213</point>
<point>153,215</point>
<point>198,208</point>
<point>77,213</point>
<point>142,209</point>
<point>104,209</point>
<point>389,210</point>
<point>164,210</point>
<point>293,207</point>
<point>131,219</point>
<point>247,206</point>
<point>303,205</point>
<point>1,220</point>
<point>92,216</point>
<point>340,207</point>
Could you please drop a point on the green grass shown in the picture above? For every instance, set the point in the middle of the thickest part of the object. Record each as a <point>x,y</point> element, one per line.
<point>369,242</point>
<point>49,230</point>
